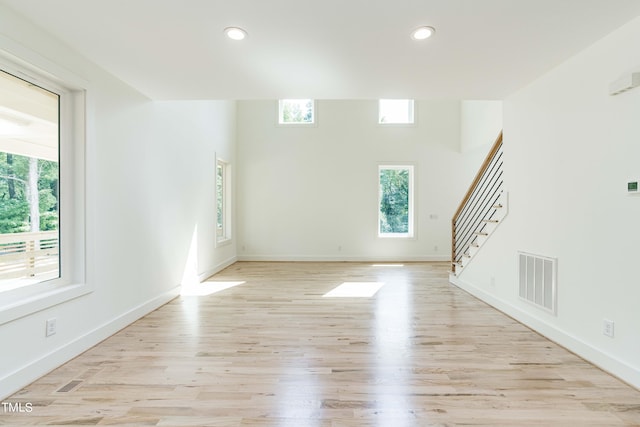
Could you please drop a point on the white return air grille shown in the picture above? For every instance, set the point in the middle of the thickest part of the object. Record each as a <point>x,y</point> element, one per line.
<point>538,280</point>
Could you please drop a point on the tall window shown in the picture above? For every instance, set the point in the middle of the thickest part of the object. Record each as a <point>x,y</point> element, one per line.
<point>222,201</point>
<point>395,201</point>
<point>395,111</point>
<point>42,185</point>
<point>296,111</point>
<point>29,183</point>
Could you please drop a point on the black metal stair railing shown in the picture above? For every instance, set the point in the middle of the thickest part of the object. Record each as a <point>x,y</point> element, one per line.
<point>480,206</point>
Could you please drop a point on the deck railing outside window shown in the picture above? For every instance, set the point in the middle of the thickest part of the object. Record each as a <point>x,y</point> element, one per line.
<point>28,256</point>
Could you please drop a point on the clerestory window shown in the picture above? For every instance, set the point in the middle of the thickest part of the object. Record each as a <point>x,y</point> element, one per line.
<point>296,111</point>
<point>396,111</point>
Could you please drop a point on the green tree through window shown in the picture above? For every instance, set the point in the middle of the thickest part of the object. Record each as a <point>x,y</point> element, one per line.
<point>220,202</point>
<point>15,213</point>
<point>296,111</point>
<point>395,201</point>
<point>223,201</point>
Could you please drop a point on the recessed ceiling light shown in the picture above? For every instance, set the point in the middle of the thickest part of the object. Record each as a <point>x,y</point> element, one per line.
<point>235,33</point>
<point>422,33</point>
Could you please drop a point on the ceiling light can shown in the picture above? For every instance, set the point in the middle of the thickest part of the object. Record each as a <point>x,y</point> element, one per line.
<point>235,33</point>
<point>422,33</point>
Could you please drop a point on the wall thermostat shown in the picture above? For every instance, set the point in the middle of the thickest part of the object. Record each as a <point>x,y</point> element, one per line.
<point>632,187</point>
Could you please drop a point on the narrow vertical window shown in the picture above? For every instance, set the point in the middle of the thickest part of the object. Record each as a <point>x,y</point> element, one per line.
<point>29,183</point>
<point>395,201</point>
<point>222,201</point>
<point>395,111</point>
<point>296,111</point>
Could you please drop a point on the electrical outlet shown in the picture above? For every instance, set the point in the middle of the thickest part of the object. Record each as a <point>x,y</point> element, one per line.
<point>51,327</point>
<point>607,327</point>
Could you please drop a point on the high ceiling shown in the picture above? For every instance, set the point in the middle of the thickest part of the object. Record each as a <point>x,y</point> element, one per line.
<point>327,49</point>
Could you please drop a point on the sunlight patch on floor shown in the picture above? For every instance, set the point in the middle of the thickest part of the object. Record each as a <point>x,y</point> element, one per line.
<point>355,290</point>
<point>207,288</point>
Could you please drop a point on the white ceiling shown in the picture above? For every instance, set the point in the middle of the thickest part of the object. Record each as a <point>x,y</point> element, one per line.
<point>327,49</point>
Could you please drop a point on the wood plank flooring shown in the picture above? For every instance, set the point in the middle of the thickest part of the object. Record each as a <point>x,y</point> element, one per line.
<point>272,351</point>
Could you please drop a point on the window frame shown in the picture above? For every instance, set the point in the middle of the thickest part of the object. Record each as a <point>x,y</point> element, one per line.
<point>314,113</point>
<point>411,232</point>
<point>412,109</point>
<point>225,237</point>
<point>28,299</point>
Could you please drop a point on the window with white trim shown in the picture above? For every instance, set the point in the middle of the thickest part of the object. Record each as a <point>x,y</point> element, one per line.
<point>223,208</point>
<point>41,190</point>
<point>395,201</point>
<point>396,111</point>
<point>296,111</point>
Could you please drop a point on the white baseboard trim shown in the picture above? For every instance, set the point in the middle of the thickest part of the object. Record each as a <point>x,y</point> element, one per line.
<point>217,268</point>
<point>330,258</point>
<point>598,357</point>
<point>22,377</point>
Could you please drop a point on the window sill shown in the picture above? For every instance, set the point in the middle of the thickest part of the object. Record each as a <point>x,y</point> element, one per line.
<point>398,125</point>
<point>223,242</point>
<point>297,125</point>
<point>397,236</point>
<point>16,309</point>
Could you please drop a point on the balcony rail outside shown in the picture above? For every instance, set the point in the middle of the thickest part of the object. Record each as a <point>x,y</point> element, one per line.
<point>28,258</point>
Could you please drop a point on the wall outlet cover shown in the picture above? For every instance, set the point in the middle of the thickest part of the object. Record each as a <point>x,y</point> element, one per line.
<point>51,327</point>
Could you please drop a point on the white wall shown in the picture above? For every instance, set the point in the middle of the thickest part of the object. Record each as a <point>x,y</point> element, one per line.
<point>480,123</point>
<point>149,181</point>
<point>569,151</point>
<point>310,193</point>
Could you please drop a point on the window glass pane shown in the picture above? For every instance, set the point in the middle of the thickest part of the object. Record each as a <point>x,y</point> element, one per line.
<point>395,111</point>
<point>29,183</point>
<point>296,111</point>
<point>220,202</point>
<point>395,201</point>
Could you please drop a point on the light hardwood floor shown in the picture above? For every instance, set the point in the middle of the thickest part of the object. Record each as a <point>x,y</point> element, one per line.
<point>273,352</point>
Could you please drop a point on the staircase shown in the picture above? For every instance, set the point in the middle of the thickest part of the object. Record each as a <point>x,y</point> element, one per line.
<point>482,209</point>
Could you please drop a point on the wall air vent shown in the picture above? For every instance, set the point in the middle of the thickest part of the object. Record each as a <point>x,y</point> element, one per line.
<point>538,280</point>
